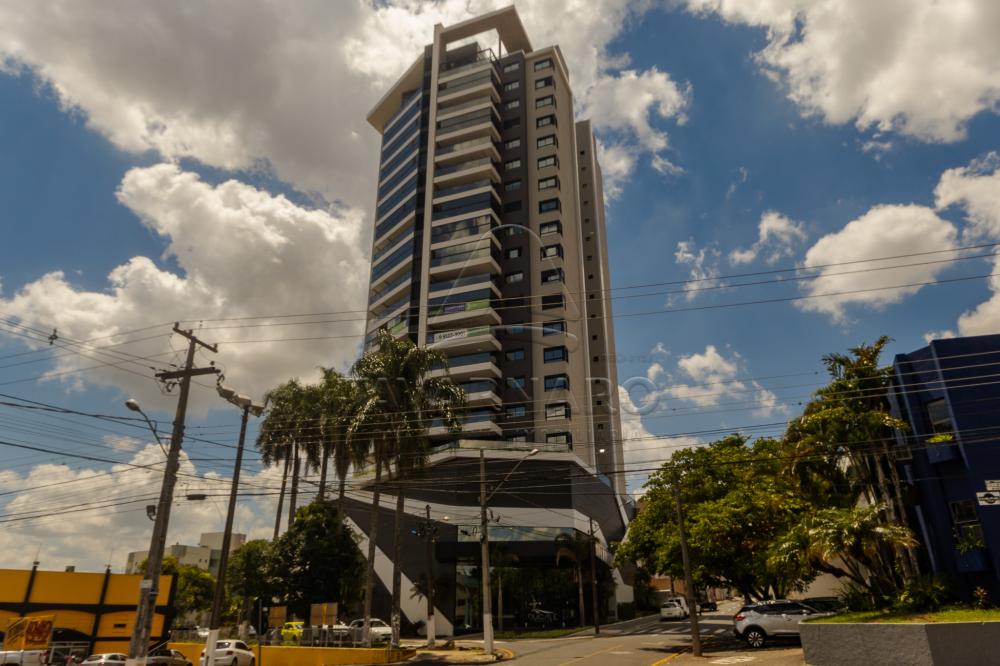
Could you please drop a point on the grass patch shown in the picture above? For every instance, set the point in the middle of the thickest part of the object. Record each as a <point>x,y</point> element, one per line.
<point>901,617</point>
<point>542,633</point>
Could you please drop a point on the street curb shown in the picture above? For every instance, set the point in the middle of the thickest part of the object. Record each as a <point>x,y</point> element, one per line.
<point>503,654</point>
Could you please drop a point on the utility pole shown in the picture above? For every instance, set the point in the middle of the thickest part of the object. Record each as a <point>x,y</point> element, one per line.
<point>692,600</point>
<point>431,638</point>
<point>593,579</point>
<point>485,543</point>
<point>215,622</point>
<point>149,586</point>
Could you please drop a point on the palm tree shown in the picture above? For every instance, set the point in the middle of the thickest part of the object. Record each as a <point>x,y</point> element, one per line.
<point>339,399</point>
<point>576,547</point>
<point>401,402</point>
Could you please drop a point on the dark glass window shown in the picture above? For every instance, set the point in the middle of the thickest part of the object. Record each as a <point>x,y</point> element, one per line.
<point>541,83</point>
<point>552,301</point>
<point>553,275</point>
<point>555,354</point>
<point>545,121</point>
<point>543,64</point>
<point>511,122</point>
<point>517,382</point>
<point>512,104</point>
<point>511,67</point>
<point>513,143</point>
<point>556,410</point>
<point>558,438</point>
<point>556,382</point>
<point>512,206</point>
<point>550,161</point>
<point>550,228</point>
<point>549,205</point>
<point>548,183</point>
<point>553,327</point>
<point>513,85</point>
<point>512,164</point>
<point>515,355</point>
<point>552,251</point>
<point>542,102</point>
<point>516,411</point>
<point>544,141</point>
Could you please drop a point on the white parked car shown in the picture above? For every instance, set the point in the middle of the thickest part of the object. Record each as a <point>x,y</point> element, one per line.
<point>230,653</point>
<point>380,630</point>
<point>671,610</point>
<point>24,658</point>
<point>108,659</point>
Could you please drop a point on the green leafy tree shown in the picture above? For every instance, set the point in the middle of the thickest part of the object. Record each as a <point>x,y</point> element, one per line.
<point>317,560</point>
<point>195,587</point>
<point>397,403</point>
<point>248,576</point>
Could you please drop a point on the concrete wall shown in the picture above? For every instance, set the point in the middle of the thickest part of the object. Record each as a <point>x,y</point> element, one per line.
<point>946,643</point>
<point>278,655</point>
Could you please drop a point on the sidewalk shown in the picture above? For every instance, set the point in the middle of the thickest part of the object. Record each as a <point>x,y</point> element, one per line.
<point>456,652</point>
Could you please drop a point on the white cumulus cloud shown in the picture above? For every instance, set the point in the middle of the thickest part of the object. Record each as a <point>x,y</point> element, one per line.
<point>777,237</point>
<point>241,252</point>
<point>885,230</point>
<point>919,67</point>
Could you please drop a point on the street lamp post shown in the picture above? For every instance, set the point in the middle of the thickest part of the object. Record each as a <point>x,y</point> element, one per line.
<point>247,407</point>
<point>484,541</point>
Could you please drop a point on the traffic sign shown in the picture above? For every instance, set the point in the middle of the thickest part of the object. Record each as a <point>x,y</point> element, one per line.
<point>988,498</point>
<point>993,486</point>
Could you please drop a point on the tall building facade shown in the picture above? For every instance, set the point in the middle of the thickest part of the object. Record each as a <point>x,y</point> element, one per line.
<point>490,244</point>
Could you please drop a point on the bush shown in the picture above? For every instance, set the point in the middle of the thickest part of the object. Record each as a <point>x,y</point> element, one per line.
<point>981,598</point>
<point>856,598</point>
<point>924,594</point>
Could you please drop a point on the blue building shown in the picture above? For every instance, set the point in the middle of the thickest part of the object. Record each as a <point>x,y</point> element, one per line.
<point>949,393</point>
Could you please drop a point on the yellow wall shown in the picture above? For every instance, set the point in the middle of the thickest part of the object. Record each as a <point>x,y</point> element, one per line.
<point>13,583</point>
<point>65,587</point>
<point>65,619</point>
<point>124,589</point>
<point>278,655</point>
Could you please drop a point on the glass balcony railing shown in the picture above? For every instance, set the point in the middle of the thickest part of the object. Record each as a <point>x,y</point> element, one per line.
<point>378,254</point>
<point>466,82</point>
<point>465,187</point>
<point>392,307</point>
<point>468,120</point>
<point>466,306</point>
<point>458,257</point>
<point>479,386</point>
<point>475,226</point>
<point>406,173</point>
<point>392,261</point>
<point>406,111</point>
<point>466,359</point>
<point>462,166</point>
<point>409,152</point>
<point>485,55</point>
<point>395,199</point>
<point>466,105</point>
<point>407,133</point>
<point>476,202</point>
<point>463,281</point>
<point>462,145</point>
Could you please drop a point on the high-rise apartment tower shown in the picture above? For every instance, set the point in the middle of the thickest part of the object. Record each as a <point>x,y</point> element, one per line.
<point>490,244</point>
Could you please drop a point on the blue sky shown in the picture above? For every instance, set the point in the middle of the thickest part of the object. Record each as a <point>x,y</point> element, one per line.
<point>240,173</point>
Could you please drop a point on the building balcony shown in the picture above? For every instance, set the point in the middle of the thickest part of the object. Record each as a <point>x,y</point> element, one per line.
<point>378,298</point>
<point>475,263</point>
<point>467,150</point>
<point>442,195</point>
<point>474,425</point>
<point>484,59</point>
<point>464,340</point>
<point>482,128</point>
<point>480,365</point>
<point>391,273</point>
<point>477,313</point>
<point>482,168</point>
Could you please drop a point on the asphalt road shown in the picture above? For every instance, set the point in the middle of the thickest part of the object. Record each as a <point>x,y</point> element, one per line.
<point>647,641</point>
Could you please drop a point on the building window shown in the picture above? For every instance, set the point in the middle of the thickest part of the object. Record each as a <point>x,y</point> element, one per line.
<point>550,228</point>
<point>512,122</point>
<point>512,104</point>
<point>515,355</point>
<point>558,382</point>
<point>550,161</point>
<point>541,83</point>
<point>513,85</point>
<point>512,206</point>
<point>511,67</point>
<point>515,329</point>
<point>512,164</point>
<point>512,186</point>
<point>553,327</point>
<point>555,354</point>
<point>544,141</point>
<point>517,439</point>
<point>558,438</point>
<point>552,301</point>
<point>552,251</point>
<point>543,64</point>
<point>512,278</point>
<point>516,411</point>
<point>514,253</point>
<point>554,275</point>
<point>548,205</point>
<point>938,417</point>
<point>966,521</point>
<point>548,183</point>
<point>545,121</point>
<point>511,144</point>
<point>556,410</point>
<point>518,382</point>
<point>514,230</point>
<point>542,102</point>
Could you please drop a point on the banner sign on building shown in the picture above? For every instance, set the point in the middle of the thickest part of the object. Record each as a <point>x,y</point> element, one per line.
<point>28,633</point>
<point>988,498</point>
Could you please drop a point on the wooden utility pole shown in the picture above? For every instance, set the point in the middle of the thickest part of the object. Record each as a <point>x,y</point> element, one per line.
<point>692,598</point>
<point>149,586</point>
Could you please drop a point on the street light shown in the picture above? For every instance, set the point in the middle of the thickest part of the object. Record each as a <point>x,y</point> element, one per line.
<point>247,407</point>
<point>485,544</point>
<point>133,405</point>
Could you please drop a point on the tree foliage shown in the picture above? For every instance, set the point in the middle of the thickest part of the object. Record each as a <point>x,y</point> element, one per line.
<point>195,587</point>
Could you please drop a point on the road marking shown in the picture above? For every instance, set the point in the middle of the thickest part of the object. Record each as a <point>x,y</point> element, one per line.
<point>621,652</point>
<point>738,659</point>
<point>667,658</point>
<point>588,656</point>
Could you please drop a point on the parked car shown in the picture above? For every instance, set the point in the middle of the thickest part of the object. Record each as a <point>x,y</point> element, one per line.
<point>757,623</point>
<point>542,618</point>
<point>671,610</point>
<point>707,605</point>
<point>25,657</point>
<point>106,659</point>
<point>681,601</point>
<point>824,604</point>
<point>380,630</point>
<point>165,657</point>
<point>292,631</point>
<point>230,653</point>
<point>202,632</point>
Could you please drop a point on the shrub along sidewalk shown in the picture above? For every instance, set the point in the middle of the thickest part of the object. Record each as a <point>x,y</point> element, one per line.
<point>902,617</point>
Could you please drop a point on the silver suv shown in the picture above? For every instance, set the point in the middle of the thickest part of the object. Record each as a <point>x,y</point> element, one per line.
<point>756,623</point>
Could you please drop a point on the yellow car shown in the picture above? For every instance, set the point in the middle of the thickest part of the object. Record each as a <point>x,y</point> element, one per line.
<point>292,631</point>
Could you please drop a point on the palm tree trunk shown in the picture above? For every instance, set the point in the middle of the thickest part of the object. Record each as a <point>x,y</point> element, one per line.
<point>397,572</point>
<point>281,500</point>
<point>372,537</point>
<point>340,496</point>
<point>889,502</point>
<point>293,496</point>
<point>579,586</point>
<point>897,486</point>
<point>321,495</point>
